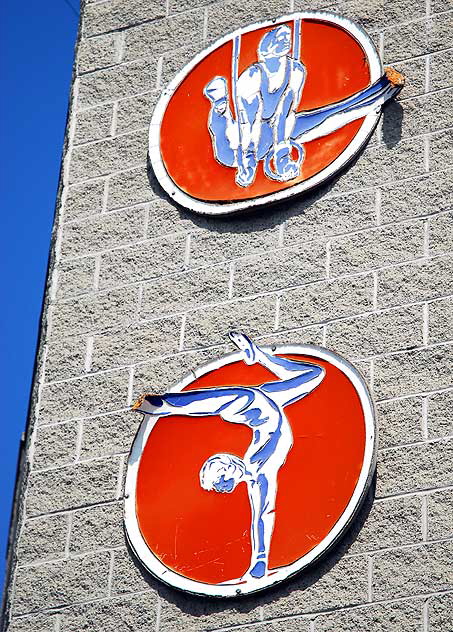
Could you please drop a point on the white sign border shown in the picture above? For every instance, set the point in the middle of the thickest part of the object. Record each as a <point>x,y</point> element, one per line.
<point>223,208</point>
<point>165,574</point>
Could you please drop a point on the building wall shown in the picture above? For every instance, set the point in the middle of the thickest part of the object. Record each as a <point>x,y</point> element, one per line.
<point>140,292</point>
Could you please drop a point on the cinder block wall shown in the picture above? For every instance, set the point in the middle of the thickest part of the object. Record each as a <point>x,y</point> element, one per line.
<point>139,292</point>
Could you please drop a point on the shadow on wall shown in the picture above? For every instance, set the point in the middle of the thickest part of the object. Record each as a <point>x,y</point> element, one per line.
<point>392,123</point>
<point>267,217</point>
<point>196,606</point>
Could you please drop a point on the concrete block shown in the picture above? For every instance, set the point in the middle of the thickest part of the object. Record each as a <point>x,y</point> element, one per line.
<point>412,571</point>
<point>108,434</point>
<point>305,336</point>
<point>185,291</point>
<point>412,468</point>
<point>441,150</point>
<point>325,217</point>
<point>341,583</point>
<point>440,28</point>
<point>66,358</point>
<point>98,52</point>
<point>441,70</point>
<point>135,113</point>
<point>108,156</point>
<point>415,72</point>
<point>327,300</point>
<point>95,312</point>
<point>300,264</point>
<point>417,281</point>
<point>417,197</point>
<point>440,320</point>
<point>158,375</point>
<point>413,372</point>
<point>440,514</point>
<point>440,422</point>
<point>55,445</point>
<point>376,248</point>
<point>136,343</point>
<point>164,218</point>
<point>127,574</point>
<point>181,612</point>
<point>377,333</point>
<point>63,320</point>
<point>34,623</point>
<point>145,260</point>
<point>364,368</point>
<point>129,188</point>
<point>384,164</point>
<point>117,82</point>
<point>154,38</point>
<point>400,421</point>
<point>376,14</point>
<point>438,6</point>
<point>441,233</point>
<point>43,539</point>
<point>310,5</point>
<point>136,613</point>
<point>210,326</point>
<point>174,60</point>
<point>73,486</point>
<point>85,396</point>
<point>75,277</point>
<point>395,617</point>
<point>103,232</point>
<point>440,108</point>
<point>57,583</point>
<point>405,41</point>
<point>118,14</point>
<point>97,528</point>
<point>93,124</point>
<point>440,613</point>
<point>227,15</point>
<point>390,523</point>
<point>213,246</point>
<point>178,6</point>
<point>84,200</point>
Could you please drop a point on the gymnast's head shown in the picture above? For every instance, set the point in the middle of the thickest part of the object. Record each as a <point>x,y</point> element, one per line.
<point>275,43</point>
<point>222,473</point>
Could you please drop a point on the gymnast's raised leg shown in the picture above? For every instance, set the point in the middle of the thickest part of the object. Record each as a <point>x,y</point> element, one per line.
<point>296,378</point>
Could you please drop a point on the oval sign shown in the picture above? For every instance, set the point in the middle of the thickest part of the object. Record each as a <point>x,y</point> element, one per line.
<point>249,468</point>
<point>267,112</point>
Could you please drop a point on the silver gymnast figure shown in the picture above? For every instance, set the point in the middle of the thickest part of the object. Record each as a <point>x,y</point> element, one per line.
<point>260,408</point>
<point>267,126</point>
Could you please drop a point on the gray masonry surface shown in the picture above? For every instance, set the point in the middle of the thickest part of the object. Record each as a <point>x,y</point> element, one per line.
<point>139,292</point>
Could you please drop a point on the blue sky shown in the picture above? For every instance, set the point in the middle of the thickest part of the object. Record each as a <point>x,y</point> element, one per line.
<point>36,55</point>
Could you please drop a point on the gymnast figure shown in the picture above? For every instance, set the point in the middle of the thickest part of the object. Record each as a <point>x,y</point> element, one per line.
<point>261,409</point>
<point>266,96</point>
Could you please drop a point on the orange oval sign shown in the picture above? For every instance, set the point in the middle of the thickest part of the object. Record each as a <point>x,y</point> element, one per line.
<point>267,112</point>
<point>286,434</point>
